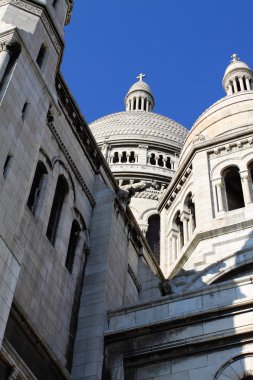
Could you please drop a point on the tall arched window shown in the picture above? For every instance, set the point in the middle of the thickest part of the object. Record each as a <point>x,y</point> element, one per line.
<point>153,235</point>
<point>233,188</point>
<point>38,179</point>
<point>160,160</point>
<point>115,159</point>
<point>168,163</point>
<point>41,55</point>
<point>124,157</point>
<point>61,192</point>
<point>152,159</point>
<point>191,208</point>
<point>132,157</point>
<point>73,240</point>
<point>179,225</point>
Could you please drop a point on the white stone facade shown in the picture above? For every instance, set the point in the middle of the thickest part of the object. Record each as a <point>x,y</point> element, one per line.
<point>82,296</point>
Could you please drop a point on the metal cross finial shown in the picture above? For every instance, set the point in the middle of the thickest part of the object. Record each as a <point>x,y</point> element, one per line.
<point>140,76</point>
<point>235,58</point>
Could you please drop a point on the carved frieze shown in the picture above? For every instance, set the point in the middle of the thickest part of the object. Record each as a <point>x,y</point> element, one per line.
<point>234,146</point>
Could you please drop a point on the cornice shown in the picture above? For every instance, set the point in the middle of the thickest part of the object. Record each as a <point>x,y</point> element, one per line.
<point>50,123</point>
<point>40,11</point>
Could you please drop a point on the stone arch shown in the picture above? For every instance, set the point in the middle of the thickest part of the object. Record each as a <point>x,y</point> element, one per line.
<point>233,187</point>
<point>215,272</point>
<point>222,165</point>
<point>147,213</point>
<point>236,368</point>
<point>61,168</point>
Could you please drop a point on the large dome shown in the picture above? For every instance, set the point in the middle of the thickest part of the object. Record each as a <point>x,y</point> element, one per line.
<point>139,126</point>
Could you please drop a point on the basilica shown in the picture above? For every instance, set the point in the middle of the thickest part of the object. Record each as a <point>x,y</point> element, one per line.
<point>126,246</point>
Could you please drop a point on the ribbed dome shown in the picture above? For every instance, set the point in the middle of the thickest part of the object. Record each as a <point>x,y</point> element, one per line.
<point>140,86</point>
<point>236,65</point>
<point>229,115</point>
<point>138,125</point>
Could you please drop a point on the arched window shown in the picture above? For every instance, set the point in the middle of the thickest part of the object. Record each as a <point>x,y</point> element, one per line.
<point>124,157</point>
<point>191,208</point>
<point>233,188</point>
<point>61,192</point>
<point>38,179</point>
<point>160,160</point>
<point>179,225</point>
<point>168,163</point>
<point>132,157</point>
<point>41,55</point>
<point>152,159</point>
<point>115,159</point>
<point>153,235</point>
<point>73,240</point>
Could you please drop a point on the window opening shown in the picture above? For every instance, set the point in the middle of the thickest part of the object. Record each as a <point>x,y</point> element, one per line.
<point>132,157</point>
<point>233,187</point>
<point>238,84</point>
<point>160,160</point>
<point>61,192</point>
<point>153,235</point>
<point>179,224</point>
<point>168,163</point>
<point>7,165</point>
<point>35,191</point>
<point>24,110</point>
<point>134,105</point>
<point>115,159</point>
<point>73,240</point>
<point>124,157</point>
<point>152,159</point>
<point>244,83</point>
<point>41,55</point>
<point>233,89</point>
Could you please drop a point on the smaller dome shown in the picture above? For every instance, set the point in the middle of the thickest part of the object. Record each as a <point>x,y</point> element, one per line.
<point>139,96</point>
<point>140,86</point>
<point>235,64</point>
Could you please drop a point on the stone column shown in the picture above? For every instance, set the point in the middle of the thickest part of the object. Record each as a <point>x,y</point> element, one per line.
<point>174,247</point>
<point>142,104</point>
<point>185,220</point>
<point>5,56</point>
<point>241,84</point>
<point>147,106</point>
<point>219,199</point>
<point>247,84</point>
<point>230,89</point>
<point>247,192</point>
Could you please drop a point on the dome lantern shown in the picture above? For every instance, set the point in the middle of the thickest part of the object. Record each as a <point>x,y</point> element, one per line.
<point>139,96</point>
<point>238,76</point>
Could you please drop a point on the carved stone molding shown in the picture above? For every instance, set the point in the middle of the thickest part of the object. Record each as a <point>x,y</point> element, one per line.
<point>38,11</point>
<point>177,187</point>
<point>50,122</point>
<point>234,146</point>
<point>134,278</point>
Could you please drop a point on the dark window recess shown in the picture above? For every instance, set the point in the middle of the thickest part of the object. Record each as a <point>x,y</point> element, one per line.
<point>73,240</point>
<point>24,110</point>
<point>55,2</point>
<point>124,157</point>
<point>233,187</point>
<point>248,377</point>
<point>168,163</point>
<point>152,159</point>
<point>160,160</point>
<point>5,370</point>
<point>132,157</point>
<point>244,270</point>
<point>7,165</point>
<point>153,235</point>
<point>179,225</point>
<point>115,159</point>
<point>59,196</point>
<point>40,172</point>
<point>41,55</point>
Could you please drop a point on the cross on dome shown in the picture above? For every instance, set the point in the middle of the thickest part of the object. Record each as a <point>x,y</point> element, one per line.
<point>235,58</point>
<point>140,76</point>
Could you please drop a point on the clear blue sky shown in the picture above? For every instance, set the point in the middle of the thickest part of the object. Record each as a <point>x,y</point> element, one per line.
<point>183,46</point>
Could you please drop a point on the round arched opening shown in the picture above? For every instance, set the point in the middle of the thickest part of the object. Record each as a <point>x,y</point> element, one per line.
<point>153,235</point>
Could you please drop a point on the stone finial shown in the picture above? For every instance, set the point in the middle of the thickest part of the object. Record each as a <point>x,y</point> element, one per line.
<point>235,58</point>
<point>141,76</point>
